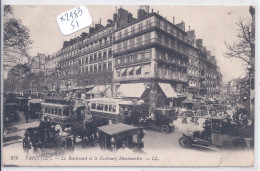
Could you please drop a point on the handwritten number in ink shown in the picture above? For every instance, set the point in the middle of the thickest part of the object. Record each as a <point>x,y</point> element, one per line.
<point>72,25</point>
<point>71,15</point>
<point>79,11</point>
<point>75,14</point>
<point>77,23</point>
<point>67,16</point>
<point>61,18</point>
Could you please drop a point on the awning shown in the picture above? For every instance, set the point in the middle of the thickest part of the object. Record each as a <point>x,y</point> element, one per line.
<point>123,70</point>
<point>168,90</point>
<point>130,69</point>
<point>131,90</point>
<point>97,90</point>
<point>137,67</point>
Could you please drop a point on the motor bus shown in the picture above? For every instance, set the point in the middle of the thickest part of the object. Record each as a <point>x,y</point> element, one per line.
<point>35,107</point>
<point>116,110</point>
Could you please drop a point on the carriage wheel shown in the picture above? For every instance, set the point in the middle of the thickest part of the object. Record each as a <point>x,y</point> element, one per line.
<point>37,151</point>
<point>165,128</point>
<point>184,142</point>
<point>26,150</point>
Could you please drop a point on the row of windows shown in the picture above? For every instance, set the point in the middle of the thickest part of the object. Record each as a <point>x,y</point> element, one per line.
<point>167,56</point>
<point>103,107</point>
<point>146,54</point>
<point>96,68</point>
<point>56,111</point>
<point>140,26</point>
<point>127,44</point>
<point>88,59</point>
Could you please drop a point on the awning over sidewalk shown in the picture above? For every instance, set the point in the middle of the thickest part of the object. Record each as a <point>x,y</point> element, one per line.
<point>131,90</point>
<point>168,90</point>
<point>97,90</point>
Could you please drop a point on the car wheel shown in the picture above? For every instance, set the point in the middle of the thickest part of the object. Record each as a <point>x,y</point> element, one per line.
<point>165,128</point>
<point>172,128</point>
<point>184,142</point>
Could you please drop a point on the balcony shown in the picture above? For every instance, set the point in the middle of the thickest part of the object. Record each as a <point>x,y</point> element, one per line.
<point>86,51</point>
<point>148,27</point>
<point>147,43</point>
<point>132,77</point>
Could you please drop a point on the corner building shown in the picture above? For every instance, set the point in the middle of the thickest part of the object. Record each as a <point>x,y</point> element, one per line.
<point>151,59</point>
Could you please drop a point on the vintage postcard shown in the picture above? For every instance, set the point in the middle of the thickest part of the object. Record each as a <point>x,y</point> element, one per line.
<point>121,85</point>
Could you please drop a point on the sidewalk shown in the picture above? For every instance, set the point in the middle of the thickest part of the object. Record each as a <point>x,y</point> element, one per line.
<point>15,130</point>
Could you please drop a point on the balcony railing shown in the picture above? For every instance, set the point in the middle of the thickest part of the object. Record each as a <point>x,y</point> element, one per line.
<point>151,26</point>
<point>86,51</point>
<point>148,42</point>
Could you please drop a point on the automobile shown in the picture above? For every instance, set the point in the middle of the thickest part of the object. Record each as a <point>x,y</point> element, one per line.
<point>115,136</point>
<point>217,134</point>
<point>11,112</point>
<point>47,138</point>
<point>35,107</point>
<point>162,120</point>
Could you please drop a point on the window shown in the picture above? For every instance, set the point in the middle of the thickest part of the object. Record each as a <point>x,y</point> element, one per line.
<point>110,53</point>
<point>91,59</point>
<point>147,54</point>
<point>100,106</point>
<point>91,69</point>
<point>99,67</point>
<point>109,66</point>
<point>106,107</point>
<point>104,54</point>
<point>131,57</point>
<point>139,40</point>
<point>95,68</point>
<point>140,27</point>
<point>139,56</point>
<point>126,32</point>
<point>132,41</point>
<point>95,57</point>
<point>148,24</point>
<point>133,30</point>
<point>125,44</point>
<point>138,72</point>
<point>93,105</point>
<point>119,35</point>
<point>99,56</point>
<point>104,67</point>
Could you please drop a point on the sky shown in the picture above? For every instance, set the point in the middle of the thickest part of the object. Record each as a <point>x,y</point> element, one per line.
<point>213,24</point>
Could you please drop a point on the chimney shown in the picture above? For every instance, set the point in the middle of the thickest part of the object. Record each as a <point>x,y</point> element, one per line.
<point>199,42</point>
<point>189,28</point>
<point>173,20</point>
<point>152,10</point>
<point>109,21</point>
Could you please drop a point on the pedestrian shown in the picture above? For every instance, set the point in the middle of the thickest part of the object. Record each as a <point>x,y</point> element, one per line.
<point>26,112</point>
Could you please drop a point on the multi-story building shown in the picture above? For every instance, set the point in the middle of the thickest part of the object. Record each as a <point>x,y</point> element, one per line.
<point>87,61</point>
<point>38,63</point>
<point>194,65</point>
<point>208,71</point>
<point>151,57</point>
<point>148,57</point>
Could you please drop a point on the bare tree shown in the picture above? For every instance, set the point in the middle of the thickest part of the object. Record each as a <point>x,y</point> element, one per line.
<point>244,48</point>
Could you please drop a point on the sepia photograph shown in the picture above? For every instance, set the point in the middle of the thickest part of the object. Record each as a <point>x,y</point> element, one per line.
<point>128,85</point>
